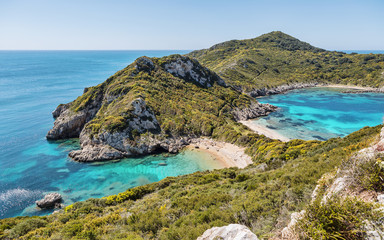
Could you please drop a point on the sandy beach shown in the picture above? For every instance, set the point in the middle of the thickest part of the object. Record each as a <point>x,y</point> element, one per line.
<point>228,154</point>
<point>350,87</point>
<point>264,130</point>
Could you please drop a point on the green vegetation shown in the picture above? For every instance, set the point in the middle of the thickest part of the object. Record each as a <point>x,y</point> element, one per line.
<point>261,196</point>
<point>276,58</point>
<point>181,107</point>
<point>184,207</point>
<point>339,218</point>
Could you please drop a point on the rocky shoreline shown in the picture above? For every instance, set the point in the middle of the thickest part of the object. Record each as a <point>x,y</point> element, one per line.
<point>281,89</point>
<point>285,88</point>
<point>141,133</point>
<point>109,146</point>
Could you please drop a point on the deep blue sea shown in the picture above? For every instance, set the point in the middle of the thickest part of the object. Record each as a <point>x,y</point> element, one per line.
<point>322,113</point>
<point>32,84</point>
<point>363,51</point>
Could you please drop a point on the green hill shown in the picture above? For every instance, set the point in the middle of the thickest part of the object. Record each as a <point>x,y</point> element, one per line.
<point>276,58</point>
<point>152,105</point>
<point>161,103</point>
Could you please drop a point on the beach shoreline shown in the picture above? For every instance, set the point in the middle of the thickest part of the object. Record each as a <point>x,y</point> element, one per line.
<point>228,154</point>
<point>349,87</point>
<point>264,131</point>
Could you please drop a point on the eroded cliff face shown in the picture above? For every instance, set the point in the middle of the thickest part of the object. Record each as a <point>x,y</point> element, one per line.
<point>68,123</point>
<point>114,120</point>
<point>253,111</point>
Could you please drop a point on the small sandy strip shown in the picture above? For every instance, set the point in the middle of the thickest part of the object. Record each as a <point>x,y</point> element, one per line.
<point>229,154</point>
<point>264,130</point>
<point>349,87</point>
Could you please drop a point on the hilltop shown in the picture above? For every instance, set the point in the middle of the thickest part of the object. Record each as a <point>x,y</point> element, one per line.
<point>276,59</point>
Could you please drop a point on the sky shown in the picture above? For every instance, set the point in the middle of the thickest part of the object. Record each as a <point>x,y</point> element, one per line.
<point>186,24</point>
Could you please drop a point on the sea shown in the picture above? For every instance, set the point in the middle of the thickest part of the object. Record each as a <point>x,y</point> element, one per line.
<point>32,84</point>
<point>321,113</point>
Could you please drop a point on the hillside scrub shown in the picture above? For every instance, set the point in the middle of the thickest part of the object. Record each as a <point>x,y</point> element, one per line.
<point>276,59</point>
<point>184,207</point>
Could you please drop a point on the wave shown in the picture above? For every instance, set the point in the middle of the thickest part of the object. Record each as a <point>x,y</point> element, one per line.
<point>17,198</point>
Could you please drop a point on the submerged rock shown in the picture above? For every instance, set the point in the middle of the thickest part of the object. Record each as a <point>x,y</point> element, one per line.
<point>230,232</point>
<point>51,200</point>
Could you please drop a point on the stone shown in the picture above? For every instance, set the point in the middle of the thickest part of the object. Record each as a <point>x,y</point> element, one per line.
<point>190,70</point>
<point>51,200</point>
<point>230,232</point>
<point>289,233</point>
<point>253,111</point>
<point>279,89</point>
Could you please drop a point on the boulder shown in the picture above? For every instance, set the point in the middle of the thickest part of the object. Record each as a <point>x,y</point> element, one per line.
<point>230,232</point>
<point>51,200</point>
<point>255,110</point>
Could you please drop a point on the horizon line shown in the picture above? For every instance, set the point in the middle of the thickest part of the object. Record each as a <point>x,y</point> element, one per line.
<point>157,49</point>
<point>96,50</point>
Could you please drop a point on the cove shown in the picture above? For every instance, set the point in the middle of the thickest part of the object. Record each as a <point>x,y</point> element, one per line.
<point>32,84</point>
<point>51,170</point>
<point>321,113</point>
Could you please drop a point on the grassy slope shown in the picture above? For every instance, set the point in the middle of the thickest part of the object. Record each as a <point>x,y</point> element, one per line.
<point>184,207</point>
<point>276,58</point>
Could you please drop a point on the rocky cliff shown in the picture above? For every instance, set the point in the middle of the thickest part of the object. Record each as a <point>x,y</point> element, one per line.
<point>155,104</point>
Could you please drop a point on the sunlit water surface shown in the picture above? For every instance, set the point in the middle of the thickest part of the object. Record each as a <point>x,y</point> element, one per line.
<point>322,113</point>
<point>32,84</point>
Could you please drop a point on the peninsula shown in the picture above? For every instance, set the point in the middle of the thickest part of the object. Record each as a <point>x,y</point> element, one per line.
<point>291,190</point>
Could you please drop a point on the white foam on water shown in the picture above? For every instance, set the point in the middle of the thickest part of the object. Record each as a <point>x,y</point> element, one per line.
<point>17,197</point>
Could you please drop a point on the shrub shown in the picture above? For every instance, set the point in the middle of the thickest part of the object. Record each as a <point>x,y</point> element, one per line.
<point>26,226</point>
<point>338,218</point>
<point>370,175</point>
<point>131,194</point>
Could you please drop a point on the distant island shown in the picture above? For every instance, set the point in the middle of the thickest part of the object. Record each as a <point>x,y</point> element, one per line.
<point>291,190</point>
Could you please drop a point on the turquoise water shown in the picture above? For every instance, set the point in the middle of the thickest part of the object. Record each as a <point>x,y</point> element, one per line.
<point>32,84</point>
<point>322,113</point>
<point>364,51</point>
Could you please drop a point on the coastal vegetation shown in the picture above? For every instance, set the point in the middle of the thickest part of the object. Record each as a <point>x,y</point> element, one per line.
<point>275,59</point>
<point>261,196</point>
<point>184,207</point>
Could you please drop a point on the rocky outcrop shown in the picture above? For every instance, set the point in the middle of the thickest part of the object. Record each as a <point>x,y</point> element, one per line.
<point>280,89</point>
<point>289,232</point>
<point>108,145</point>
<point>51,200</point>
<point>253,111</point>
<point>68,123</point>
<point>113,119</point>
<point>230,232</point>
<point>95,150</point>
<point>190,70</point>
<point>59,110</point>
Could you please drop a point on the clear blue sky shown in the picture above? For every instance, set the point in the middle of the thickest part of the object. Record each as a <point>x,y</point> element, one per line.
<point>187,24</point>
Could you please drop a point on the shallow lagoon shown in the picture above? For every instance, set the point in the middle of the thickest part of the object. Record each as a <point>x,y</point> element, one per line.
<point>322,113</point>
